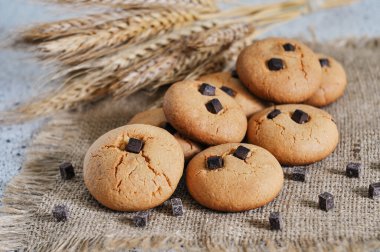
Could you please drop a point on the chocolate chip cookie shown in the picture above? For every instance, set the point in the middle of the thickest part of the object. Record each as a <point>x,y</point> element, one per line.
<point>279,70</point>
<point>294,134</point>
<point>134,167</point>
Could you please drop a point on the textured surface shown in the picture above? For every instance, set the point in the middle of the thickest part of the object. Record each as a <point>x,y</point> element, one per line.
<point>18,71</point>
<point>352,224</point>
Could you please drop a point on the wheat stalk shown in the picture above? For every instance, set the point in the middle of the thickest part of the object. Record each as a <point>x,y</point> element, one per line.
<point>131,30</point>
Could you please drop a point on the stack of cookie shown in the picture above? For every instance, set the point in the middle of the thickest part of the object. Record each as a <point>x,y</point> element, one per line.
<point>204,122</point>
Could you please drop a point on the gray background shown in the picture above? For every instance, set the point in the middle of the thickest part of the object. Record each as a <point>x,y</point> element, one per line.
<point>19,70</point>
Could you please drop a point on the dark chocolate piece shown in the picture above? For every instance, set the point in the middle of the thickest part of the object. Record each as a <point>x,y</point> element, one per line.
<point>273,113</point>
<point>228,91</point>
<point>234,74</point>
<point>67,171</point>
<point>170,128</point>
<point>275,221</point>
<point>8,140</point>
<point>300,117</point>
<point>299,174</point>
<point>289,47</point>
<point>214,106</point>
<point>241,152</point>
<point>275,64</point>
<point>141,219</point>
<point>214,162</point>
<point>326,201</point>
<point>177,207</point>
<point>374,191</point>
<point>324,62</point>
<point>353,170</point>
<point>60,212</point>
<point>207,89</point>
<point>134,145</point>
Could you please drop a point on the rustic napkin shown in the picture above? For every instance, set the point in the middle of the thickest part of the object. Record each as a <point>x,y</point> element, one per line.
<point>26,221</point>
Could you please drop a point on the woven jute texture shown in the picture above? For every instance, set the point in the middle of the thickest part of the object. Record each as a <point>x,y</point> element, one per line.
<point>354,224</point>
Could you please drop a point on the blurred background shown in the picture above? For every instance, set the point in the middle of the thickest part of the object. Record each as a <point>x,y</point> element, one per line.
<point>19,69</point>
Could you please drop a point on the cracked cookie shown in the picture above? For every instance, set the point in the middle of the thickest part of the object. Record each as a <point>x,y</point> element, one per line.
<point>295,134</point>
<point>156,117</point>
<point>232,86</point>
<point>133,168</point>
<point>333,83</point>
<point>204,113</point>
<point>279,70</point>
<point>234,177</point>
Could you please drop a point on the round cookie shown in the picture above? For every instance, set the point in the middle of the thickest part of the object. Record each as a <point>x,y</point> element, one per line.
<point>204,113</point>
<point>125,177</point>
<point>333,83</point>
<point>279,70</point>
<point>295,134</point>
<point>234,177</point>
<point>156,117</point>
<point>231,85</point>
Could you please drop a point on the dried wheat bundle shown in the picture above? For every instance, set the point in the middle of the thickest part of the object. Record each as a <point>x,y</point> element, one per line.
<point>122,52</point>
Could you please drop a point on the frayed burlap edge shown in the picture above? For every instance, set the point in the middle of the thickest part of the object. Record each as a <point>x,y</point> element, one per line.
<point>38,176</point>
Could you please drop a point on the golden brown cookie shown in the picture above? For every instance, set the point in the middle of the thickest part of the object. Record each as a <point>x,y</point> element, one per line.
<point>156,117</point>
<point>295,134</point>
<point>134,167</point>
<point>279,70</point>
<point>232,86</point>
<point>234,177</point>
<point>204,113</point>
<point>333,83</point>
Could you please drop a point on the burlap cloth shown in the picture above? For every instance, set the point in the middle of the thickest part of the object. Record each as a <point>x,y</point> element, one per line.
<point>354,224</point>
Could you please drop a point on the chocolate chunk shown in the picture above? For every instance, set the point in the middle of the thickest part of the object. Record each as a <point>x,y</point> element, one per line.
<point>207,89</point>
<point>300,117</point>
<point>299,174</point>
<point>241,152</point>
<point>67,171</point>
<point>374,191</point>
<point>60,212</point>
<point>214,162</point>
<point>324,62</point>
<point>353,170</point>
<point>214,106</point>
<point>326,201</point>
<point>141,219</point>
<point>289,47</point>
<point>177,207</point>
<point>228,91</point>
<point>170,128</point>
<point>273,113</point>
<point>234,74</point>
<point>275,221</point>
<point>8,140</point>
<point>275,64</point>
<point>134,145</point>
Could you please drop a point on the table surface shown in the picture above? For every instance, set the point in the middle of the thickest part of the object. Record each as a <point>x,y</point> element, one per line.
<point>19,70</point>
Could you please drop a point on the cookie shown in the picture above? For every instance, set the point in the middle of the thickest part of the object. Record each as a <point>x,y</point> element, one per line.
<point>231,85</point>
<point>204,113</point>
<point>133,168</point>
<point>295,134</point>
<point>279,70</point>
<point>156,117</point>
<point>333,83</point>
<point>234,177</point>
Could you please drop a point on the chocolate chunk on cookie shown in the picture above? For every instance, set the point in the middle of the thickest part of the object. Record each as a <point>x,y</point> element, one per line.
<point>308,137</point>
<point>209,120</point>
<point>333,82</point>
<point>156,117</point>
<point>279,70</point>
<point>231,85</point>
<point>133,180</point>
<point>241,184</point>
